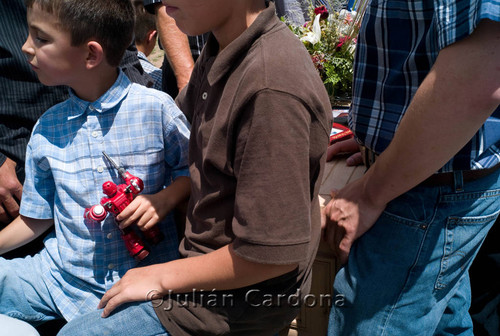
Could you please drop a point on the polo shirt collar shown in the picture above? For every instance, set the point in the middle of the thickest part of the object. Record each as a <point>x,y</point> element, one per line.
<point>228,57</point>
<point>115,94</point>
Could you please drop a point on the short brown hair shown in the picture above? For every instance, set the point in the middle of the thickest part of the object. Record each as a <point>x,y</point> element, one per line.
<point>144,21</point>
<point>109,22</point>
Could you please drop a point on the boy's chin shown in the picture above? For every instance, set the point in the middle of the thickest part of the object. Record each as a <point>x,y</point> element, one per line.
<point>47,81</point>
<point>189,30</point>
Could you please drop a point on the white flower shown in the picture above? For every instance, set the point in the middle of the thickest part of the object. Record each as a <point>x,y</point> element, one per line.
<point>345,14</point>
<point>346,20</point>
<point>313,36</point>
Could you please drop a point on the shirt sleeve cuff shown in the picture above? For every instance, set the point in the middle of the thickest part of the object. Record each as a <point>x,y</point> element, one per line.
<point>180,172</point>
<point>271,254</point>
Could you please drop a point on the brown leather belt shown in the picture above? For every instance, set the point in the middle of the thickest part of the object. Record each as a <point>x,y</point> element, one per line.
<point>438,179</point>
<point>442,179</point>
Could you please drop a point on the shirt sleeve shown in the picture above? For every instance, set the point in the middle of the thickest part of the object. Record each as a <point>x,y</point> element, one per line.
<point>176,137</point>
<point>456,20</point>
<point>272,212</point>
<point>38,189</point>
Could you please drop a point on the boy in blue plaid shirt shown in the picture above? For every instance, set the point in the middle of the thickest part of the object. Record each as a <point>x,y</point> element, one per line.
<point>80,44</point>
<point>146,37</point>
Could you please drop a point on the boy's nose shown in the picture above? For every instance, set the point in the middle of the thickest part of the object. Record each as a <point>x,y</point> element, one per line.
<point>27,48</point>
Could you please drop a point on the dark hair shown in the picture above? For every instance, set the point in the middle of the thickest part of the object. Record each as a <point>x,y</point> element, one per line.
<point>109,22</point>
<point>144,21</point>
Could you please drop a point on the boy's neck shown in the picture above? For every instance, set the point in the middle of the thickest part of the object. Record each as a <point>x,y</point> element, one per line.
<point>96,83</point>
<point>145,49</point>
<point>239,23</point>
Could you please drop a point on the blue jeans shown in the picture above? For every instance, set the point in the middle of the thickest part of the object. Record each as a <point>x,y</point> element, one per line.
<point>133,319</point>
<point>408,275</point>
<point>23,295</point>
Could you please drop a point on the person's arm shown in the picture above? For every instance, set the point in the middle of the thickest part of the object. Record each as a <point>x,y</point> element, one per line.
<point>176,46</point>
<point>221,269</point>
<point>147,210</point>
<point>21,231</point>
<point>10,191</point>
<point>460,92</point>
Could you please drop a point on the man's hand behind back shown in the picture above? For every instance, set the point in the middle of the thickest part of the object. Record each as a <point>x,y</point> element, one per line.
<point>10,192</point>
<point>349,146</point>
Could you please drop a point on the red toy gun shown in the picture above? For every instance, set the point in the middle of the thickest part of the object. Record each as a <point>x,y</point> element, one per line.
<point>118,198</point>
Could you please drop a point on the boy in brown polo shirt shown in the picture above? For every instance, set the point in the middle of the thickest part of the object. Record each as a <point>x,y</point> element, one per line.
<point>260,125</point>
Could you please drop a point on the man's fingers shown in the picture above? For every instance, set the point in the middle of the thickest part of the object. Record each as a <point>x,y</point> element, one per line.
<point>346,146</point>
<point>18,192</point>
<point>332,232</point>
<point>344,248</point>
<point>334,235</point>
<point>355,160</point>
<point>4,217</point>
<point>11,207</point>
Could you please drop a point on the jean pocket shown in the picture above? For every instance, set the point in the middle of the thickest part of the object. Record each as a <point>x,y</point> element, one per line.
<point>463,237</point>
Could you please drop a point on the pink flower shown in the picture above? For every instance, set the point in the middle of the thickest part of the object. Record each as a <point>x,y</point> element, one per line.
<point>348,19</point>
<point>343,40</point>
<point>321,11</point>
<point>318,61</point>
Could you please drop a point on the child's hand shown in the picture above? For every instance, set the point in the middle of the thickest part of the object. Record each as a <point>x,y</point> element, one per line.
<point>148,210</point>
<point>138,284</point>
<point>145,210</point>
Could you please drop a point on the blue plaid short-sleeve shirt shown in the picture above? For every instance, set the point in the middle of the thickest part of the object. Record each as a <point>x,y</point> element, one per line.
<point>398,44</point>
<point>143,130</point>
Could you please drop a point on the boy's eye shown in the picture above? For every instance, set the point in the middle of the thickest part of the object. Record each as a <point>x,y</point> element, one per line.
<point>41,39</point>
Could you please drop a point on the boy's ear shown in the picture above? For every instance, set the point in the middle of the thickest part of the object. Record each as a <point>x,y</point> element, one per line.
<point>152,36</point>
<point>95,54</point>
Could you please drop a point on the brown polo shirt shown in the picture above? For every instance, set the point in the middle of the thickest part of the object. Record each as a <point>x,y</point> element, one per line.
<point>260,125</point>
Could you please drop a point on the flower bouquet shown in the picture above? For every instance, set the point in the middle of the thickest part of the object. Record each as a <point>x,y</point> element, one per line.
<point>330,39</point>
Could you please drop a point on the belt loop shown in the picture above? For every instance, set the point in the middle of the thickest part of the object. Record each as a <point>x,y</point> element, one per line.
<point>458,181</point>
<point>365,154</point>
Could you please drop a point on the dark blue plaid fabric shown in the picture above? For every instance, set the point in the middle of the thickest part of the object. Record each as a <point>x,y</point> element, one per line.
<point>392,63</point>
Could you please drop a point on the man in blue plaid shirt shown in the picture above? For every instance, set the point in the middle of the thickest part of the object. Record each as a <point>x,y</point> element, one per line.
<point>139,128</point>
<point>425,112</point>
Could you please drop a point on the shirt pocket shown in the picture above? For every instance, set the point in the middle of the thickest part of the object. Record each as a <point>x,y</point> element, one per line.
<point>148,165</point>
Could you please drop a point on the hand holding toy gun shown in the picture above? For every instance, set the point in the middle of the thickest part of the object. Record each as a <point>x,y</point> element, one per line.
<point>118,198</point>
